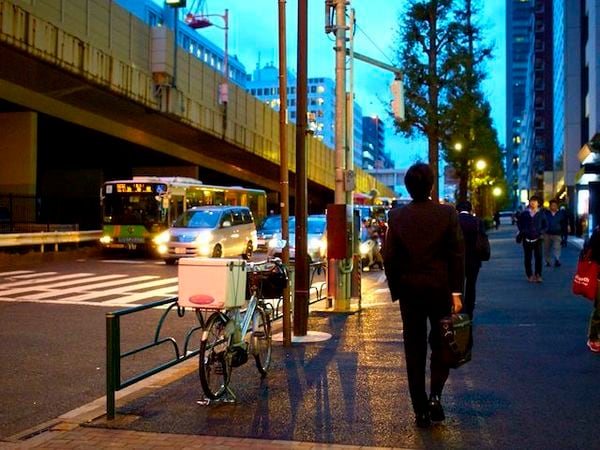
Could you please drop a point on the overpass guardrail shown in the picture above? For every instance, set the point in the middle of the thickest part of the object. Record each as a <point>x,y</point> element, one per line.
<point>44,239</point>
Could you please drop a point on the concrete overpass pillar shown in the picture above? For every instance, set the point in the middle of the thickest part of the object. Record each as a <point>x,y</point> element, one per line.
<point>18,152</point>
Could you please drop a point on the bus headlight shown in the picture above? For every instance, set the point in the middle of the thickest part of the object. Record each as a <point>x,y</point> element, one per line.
<point>106,239</point>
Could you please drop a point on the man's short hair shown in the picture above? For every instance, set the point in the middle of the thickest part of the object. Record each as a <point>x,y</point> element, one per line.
<point>553,201</point>
<point>419,181</point>
<point>534,197</point>
<point>464,206</point>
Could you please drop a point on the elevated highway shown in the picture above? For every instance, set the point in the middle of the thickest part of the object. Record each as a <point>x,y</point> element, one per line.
<point>88,86</point>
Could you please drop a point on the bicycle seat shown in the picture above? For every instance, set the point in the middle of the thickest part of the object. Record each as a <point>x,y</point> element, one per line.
<point>206,301</point>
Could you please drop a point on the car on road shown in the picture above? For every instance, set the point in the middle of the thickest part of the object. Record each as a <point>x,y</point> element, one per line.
<point>210,231</point>
<point>507,218</point>
<point>269,226</point>
<point>316,238</point>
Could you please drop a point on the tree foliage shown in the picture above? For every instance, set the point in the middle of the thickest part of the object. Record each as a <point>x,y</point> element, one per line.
<point>441,53</point>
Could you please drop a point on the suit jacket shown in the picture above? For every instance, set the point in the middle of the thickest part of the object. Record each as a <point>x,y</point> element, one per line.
<point>424,251</point>
<point>471,226</point>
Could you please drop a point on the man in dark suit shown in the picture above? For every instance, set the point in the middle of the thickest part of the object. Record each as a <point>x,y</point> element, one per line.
<point>471,226</point>
<point>424,265</point>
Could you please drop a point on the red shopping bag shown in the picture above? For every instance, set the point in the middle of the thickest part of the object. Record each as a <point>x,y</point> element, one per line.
<point>585,280</point>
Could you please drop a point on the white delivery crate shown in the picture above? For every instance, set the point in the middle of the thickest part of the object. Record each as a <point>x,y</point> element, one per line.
<point>223,279</point>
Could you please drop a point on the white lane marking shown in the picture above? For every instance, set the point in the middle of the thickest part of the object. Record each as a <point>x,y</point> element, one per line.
<point>169,291</point>
<point>88,287</point>
<point>28,275</point>
<point>14,272</point>
<point>126,261</point>
<point>29,283</point>
<point>62,284</point>
<point>132,297</point>
<point>63,302</point>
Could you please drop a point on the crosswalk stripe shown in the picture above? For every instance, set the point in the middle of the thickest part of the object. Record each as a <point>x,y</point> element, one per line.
<point>28,274</point>
<point>53,286</point>
<point>31,282</point>
<point>122,282</point>
<point>14,272</point>
<point>169,291</point>
<point>141,295</point>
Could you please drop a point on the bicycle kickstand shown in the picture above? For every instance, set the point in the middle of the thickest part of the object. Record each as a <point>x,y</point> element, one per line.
<point>227,397</point>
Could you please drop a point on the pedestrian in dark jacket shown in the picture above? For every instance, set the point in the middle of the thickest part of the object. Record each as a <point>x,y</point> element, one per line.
<point>424,265</point>
<point>557,227</point>
<point>471,226</point>
<point>532,225</point>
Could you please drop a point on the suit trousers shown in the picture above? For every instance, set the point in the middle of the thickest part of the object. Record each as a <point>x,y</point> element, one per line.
<point>471,273</point>
<point>416,310</point>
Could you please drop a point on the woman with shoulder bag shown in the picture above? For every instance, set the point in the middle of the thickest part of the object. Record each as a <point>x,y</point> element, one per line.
<point>593,342</point>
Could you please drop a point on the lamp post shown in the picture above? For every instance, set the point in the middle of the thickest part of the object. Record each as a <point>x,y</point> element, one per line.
<point>197,21</point>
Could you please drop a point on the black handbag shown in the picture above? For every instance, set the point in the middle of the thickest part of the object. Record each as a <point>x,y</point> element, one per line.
<point>456,340</point>
<point>519,237</point>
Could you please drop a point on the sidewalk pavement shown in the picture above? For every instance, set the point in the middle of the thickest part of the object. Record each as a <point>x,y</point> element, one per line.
<point>350,391</point>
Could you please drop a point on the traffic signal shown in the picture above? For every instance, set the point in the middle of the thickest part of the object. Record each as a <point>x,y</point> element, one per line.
<point>398,99</point>
<point>176,3</point>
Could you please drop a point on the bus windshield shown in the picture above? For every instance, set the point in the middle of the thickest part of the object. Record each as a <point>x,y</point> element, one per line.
<point>135,209</point>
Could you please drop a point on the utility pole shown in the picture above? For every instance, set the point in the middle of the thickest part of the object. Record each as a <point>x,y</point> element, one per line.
<point>284,189</point>
<point>340,99</point>
<point>301,260</point>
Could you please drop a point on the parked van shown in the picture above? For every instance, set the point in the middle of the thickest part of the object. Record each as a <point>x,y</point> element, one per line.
<point>211,231</point>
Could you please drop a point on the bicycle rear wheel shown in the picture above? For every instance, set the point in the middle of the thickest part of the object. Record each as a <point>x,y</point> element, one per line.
<point>260,341</point>
<point>215,363</point>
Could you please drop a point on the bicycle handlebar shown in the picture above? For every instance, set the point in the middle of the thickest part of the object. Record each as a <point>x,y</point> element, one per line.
<point>270,260</point>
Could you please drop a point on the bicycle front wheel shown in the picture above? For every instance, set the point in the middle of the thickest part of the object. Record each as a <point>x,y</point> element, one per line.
<point>260,341</point>
<point>215,363</point>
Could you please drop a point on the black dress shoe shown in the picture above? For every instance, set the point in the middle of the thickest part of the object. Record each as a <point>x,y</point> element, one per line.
<point>436,411</point>
<point>422,420</point>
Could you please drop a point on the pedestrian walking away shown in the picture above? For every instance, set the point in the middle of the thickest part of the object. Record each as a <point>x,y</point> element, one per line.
<point>557,226</point>
<point>424,266</point>
<point>593,342</point>
<point>497,219</point>
<point>532,225</point>
<point>471,227</point>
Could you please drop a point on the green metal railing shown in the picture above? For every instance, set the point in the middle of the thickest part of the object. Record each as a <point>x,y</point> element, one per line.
<point>114,356</point>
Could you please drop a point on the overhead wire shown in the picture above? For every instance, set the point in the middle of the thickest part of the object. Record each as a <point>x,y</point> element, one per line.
<point>374,44</point>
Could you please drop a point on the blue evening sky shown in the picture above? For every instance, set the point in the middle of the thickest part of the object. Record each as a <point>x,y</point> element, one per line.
<point>253,38</point>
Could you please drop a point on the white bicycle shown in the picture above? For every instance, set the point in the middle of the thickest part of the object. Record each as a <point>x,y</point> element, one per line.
<point>232,334</point>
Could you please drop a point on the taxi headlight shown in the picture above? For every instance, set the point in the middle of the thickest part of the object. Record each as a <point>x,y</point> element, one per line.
<point>275,242</point>
<point>204,238</point>
<point>162,238</point>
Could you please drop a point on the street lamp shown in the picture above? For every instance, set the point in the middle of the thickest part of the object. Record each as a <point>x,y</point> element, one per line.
<point>480,164</point>
<point>197,21</point>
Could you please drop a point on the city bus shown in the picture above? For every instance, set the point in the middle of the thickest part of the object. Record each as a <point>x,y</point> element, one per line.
<point>136,211</point>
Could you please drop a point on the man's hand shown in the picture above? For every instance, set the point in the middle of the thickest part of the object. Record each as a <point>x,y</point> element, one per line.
<point>456,303</point>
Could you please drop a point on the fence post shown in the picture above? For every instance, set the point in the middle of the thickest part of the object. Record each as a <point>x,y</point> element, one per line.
<point>113,356</point>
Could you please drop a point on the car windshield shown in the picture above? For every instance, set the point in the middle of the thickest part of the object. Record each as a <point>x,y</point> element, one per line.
<point>314,225</point>
<point>198,219</point>
<point>271,223</point>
